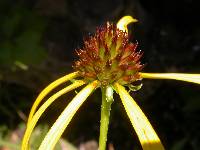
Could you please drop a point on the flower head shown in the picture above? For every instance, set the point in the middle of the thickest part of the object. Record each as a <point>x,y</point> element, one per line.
<point>107,60</point>
<point>109,57</point>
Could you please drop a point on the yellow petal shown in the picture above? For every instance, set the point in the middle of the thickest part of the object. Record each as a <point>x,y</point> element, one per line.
<point>194,78</point>
<point>124,21</point>
<point>49,88</point>
<point>145,132</point>
<point>63,120</point>
<point>40,111</point>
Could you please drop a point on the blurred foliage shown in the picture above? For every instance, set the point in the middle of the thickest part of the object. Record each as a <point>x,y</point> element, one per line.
<point>12,140</point>
<point>21,33</point>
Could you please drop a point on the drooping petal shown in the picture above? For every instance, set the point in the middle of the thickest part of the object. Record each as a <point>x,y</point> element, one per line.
<point>40,111</point>
<point>194,78</point>
<point>145,132</point>
<point>49,88</point>
<point>124,21</point>
<point>63,120</point>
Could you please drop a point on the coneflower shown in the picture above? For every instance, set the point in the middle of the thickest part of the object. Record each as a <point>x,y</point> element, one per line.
<point>109,57</point>
<point>110,61</point>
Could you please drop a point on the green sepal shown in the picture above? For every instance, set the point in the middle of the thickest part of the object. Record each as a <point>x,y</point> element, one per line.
<point>134,87</point>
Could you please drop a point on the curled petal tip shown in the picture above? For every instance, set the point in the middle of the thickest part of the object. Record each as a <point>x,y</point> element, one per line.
<point>124,21</point>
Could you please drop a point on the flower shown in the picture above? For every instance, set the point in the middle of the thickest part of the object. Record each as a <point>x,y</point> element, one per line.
<point>109,57</point>
<point>109,61</point>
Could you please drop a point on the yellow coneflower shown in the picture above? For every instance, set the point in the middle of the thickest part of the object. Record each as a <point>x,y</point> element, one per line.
<point>110,61</point>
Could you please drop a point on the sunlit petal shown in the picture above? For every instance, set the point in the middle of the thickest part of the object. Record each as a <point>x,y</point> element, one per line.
<point>124,21</point>
<point>194,78</point>
<point>63,120</point>
<point>49,88</point>
<point>40,111</point>
<point>146,134</point>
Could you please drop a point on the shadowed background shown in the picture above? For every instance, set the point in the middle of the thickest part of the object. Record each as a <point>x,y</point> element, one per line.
<point>38,39</point>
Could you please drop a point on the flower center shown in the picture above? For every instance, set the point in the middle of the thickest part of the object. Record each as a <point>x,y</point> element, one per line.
<point>109,57</point>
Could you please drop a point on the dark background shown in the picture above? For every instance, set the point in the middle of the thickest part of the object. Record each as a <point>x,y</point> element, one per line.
<point>38,39</point>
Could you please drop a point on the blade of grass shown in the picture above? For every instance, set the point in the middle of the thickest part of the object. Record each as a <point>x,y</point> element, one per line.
<point>194,78</point>
<point>48,89</point>
<point>145,132</point>
<point>63,120</point>
<point>40,111</point>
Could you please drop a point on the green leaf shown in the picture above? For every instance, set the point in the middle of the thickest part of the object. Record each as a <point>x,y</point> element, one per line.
<point>28,49</point>
<point>6,53</point>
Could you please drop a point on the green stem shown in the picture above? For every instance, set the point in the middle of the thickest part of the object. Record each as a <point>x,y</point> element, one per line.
<point>107,99</point>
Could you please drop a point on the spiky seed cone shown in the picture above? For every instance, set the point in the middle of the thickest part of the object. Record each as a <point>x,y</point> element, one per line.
<point>108,56</point>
